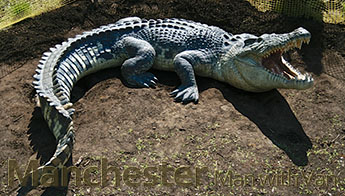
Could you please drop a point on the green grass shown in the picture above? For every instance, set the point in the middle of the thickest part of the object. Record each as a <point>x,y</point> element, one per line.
<point>13,11</point>
<point>322,10</point>
<point>20,8</point>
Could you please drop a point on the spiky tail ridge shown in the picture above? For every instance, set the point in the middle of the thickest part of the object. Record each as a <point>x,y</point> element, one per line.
<point>60,68</point>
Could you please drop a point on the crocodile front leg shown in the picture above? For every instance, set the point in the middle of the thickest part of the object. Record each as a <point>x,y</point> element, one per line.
<point>184,64</point>
<point>141,59</point>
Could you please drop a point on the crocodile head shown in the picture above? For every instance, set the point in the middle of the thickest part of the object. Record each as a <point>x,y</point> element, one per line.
<point>256,63</point>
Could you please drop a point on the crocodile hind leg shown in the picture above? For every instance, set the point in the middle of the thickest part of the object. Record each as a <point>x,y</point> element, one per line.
<point>185,63</point>
<point>134,69</point>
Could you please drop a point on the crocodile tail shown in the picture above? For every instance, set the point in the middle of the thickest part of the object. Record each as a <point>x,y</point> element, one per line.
<point>62,128</point>
<point>56,107</point>
<point>54,80</point>
<point>57,112</point>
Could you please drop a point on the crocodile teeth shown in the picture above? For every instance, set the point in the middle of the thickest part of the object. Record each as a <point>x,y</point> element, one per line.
<point>295,44</point>
<point>299,44</point>
<point>308,77</point>
<point>292,69</point>
<point>306,40</point>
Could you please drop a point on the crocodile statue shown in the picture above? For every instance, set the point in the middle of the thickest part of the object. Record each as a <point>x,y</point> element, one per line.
<point>189,48</point>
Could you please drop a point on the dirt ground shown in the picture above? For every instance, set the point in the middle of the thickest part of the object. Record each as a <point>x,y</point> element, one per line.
<point>293,139</point>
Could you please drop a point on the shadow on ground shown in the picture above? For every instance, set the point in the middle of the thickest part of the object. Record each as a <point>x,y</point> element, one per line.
<point>269,111</point>
<point>272,115</point>
<point>312,53</point>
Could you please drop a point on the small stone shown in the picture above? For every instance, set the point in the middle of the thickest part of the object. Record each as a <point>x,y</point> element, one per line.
<point>225,108</point>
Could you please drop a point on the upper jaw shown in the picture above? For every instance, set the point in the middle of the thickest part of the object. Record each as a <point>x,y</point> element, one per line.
<point>274,63</point>
<point>285,42</point>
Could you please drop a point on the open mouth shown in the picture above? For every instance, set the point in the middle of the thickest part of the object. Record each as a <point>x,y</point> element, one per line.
<point>274,62</point>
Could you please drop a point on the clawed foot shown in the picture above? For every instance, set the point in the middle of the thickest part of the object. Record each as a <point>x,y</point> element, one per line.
<point>143,80</point>
<point>186,94</point>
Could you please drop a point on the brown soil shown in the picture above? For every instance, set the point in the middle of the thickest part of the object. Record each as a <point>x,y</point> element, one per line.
<point>260,134</point>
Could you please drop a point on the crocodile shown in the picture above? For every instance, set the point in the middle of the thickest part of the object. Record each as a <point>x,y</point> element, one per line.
<point>245,61</point>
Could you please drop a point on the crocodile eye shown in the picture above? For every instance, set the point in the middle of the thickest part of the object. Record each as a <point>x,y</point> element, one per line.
<point>260,39</point>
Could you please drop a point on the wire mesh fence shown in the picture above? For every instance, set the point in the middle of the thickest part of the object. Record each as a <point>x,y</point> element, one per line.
<point>13,11</point>
<point>329,11</point>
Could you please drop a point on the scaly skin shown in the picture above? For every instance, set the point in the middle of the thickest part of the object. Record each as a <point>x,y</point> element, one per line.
<point>245,61</point>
